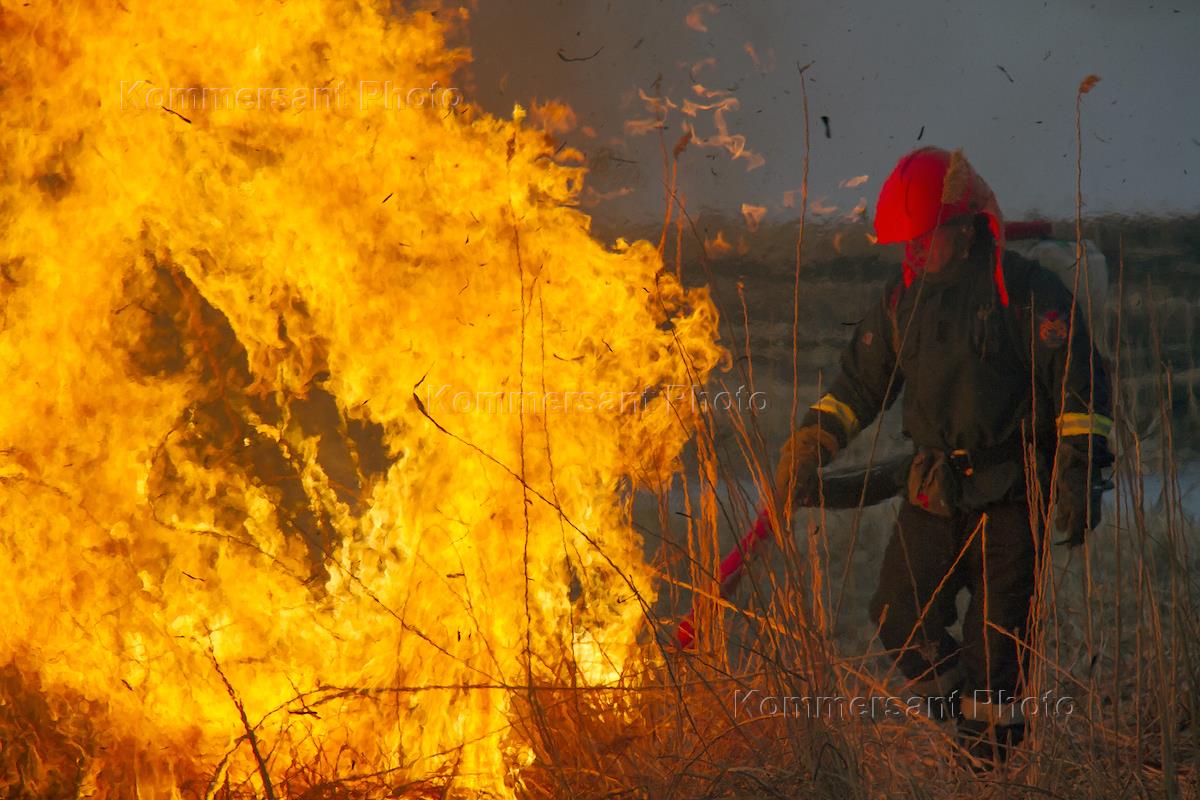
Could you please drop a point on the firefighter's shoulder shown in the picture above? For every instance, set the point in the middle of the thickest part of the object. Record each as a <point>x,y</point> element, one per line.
<point>1069,273</point>
<point>1040,293</point>
<point>1028,279</point>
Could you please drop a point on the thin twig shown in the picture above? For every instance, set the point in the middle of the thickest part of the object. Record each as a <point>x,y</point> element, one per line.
<point>251,737</point>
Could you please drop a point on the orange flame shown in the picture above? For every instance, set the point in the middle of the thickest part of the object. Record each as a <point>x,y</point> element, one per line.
<point>232,249</point>
<point>695,18</point>
<point>753,215</point>
<point>735,143</point>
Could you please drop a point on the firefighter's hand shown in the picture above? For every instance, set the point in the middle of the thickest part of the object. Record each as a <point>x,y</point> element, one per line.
<point>801,458</point>
<point>1081,487</point>
<point>1079,508</point>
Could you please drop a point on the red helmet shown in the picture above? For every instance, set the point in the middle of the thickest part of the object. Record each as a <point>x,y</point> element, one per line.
<point>930,187</point>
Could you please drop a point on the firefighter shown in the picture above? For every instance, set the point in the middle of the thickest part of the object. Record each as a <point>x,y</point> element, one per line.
<point>1005,398</point>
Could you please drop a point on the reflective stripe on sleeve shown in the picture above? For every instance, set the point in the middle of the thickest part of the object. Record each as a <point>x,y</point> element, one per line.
<point>1079,424</point>
<point>831,405</point>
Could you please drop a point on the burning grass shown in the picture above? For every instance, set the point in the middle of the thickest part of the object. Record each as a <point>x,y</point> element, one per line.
<point>260,535</point>
<point>742,719</point>
<point>256,551</point>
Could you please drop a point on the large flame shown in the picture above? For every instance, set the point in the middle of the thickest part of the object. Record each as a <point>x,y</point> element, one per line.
<point>286,442</point>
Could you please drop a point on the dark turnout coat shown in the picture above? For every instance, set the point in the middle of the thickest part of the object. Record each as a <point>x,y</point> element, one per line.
<point>980,380</point>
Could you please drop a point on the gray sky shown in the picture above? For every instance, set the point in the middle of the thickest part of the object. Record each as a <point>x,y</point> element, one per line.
<point>881,72</point>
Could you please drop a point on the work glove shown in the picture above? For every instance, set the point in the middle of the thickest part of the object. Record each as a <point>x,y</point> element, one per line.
<point>1081,485</point>
<point>805,452</point>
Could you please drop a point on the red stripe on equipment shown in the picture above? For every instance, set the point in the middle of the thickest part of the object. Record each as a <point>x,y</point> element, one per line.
<point>731,573</point>
<point>1034,229</point>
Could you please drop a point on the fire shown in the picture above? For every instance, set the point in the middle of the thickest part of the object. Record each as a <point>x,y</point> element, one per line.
<point>258,300</point>
<point>753,215</point>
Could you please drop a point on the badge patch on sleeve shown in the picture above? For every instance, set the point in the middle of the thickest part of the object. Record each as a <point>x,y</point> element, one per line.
<point>1052,329</point>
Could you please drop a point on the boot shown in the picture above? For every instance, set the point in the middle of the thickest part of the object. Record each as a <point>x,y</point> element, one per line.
<point>988,745</point>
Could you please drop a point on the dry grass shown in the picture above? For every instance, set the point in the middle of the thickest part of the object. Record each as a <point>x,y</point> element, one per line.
<point>1118,629</point>
<point>1119,634</point>
<point>1115,635</point>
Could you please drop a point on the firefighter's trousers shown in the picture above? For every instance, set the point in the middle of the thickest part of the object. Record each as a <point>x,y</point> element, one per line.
<point>928,561</point>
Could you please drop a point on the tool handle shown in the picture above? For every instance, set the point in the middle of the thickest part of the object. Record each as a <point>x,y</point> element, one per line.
<point>838,490</point>
<point>730,573</point>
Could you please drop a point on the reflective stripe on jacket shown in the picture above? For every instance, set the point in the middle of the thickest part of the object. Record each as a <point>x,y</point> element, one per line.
<point>975,374</point>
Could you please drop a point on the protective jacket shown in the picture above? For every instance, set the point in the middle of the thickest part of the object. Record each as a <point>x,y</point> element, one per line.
<point>983,382</point>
